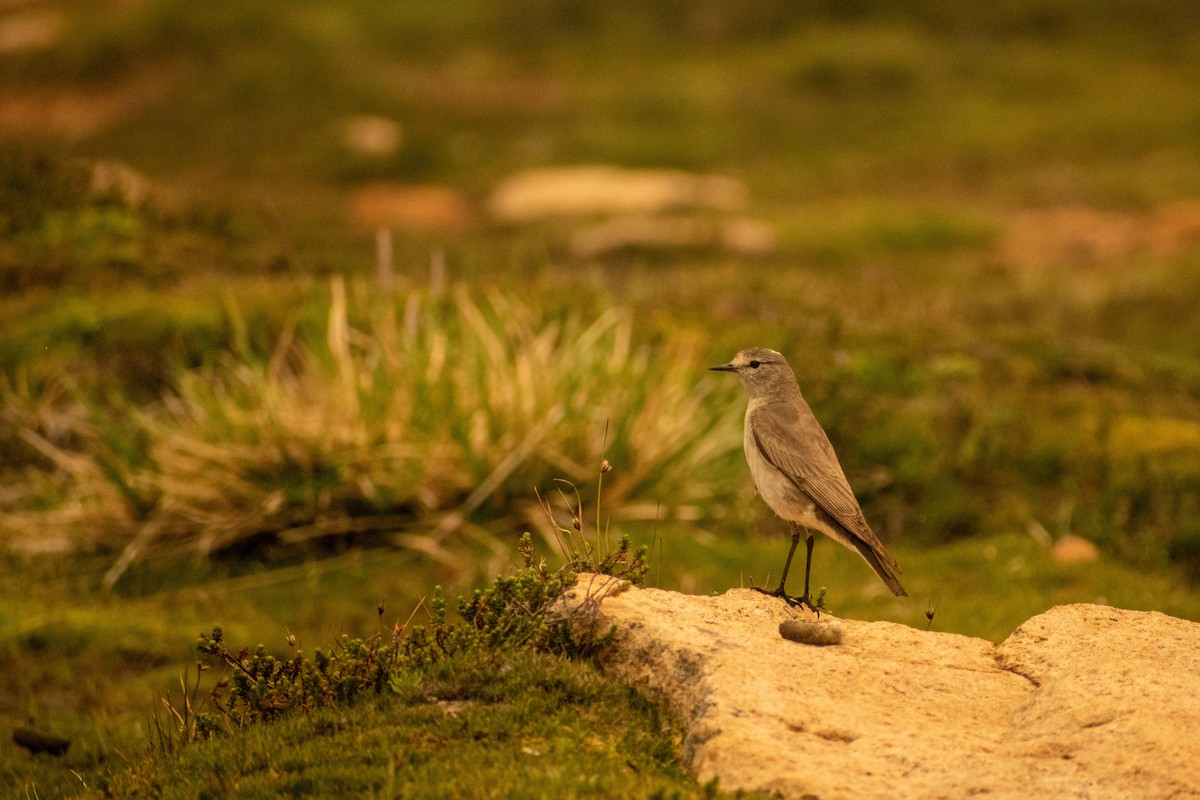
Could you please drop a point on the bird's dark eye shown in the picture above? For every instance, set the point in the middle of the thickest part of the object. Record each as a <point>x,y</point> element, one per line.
<point>755,364</point>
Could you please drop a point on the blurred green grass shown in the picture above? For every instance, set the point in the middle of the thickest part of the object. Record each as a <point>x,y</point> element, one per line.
<point>1013,103</point>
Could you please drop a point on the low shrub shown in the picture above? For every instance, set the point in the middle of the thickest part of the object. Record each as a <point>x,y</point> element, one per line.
<point>514,612</point>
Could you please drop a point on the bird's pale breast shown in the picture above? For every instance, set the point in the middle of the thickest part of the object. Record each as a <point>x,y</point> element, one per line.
<point>776,489</point>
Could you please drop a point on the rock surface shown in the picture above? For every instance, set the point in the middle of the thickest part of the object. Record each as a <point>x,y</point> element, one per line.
<point>742,235</point>
<point>601,189</point>
<point>1081,701</point>
<point>407,207</point>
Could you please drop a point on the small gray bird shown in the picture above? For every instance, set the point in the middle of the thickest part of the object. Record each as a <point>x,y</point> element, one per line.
<point>796,471</point>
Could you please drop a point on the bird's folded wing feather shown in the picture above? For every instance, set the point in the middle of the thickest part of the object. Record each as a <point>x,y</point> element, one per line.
<point>793,442</point>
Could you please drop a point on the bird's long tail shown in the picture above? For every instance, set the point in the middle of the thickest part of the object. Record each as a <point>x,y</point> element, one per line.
<point>884,565</point>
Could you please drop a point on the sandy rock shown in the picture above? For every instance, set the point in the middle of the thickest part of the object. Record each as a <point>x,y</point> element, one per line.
<point>371,135</point>
<point>1114,711</point>
<point>749,236</point>
<point>606,190</point>
<point>408,207</point>
<point>1082,701</point>
<point>1072,549</point>
<point>31,30</point>
<point>1078,235</point>
<point>74,113</point>
<point>741,235</point>
<point>608,209</point>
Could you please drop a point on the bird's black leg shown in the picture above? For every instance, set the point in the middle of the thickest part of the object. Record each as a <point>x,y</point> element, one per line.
<point>788,564</point>
<point>807,568</point>
<point>781,591</point>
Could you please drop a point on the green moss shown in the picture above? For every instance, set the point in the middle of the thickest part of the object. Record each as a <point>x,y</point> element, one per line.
<point>521,725</point>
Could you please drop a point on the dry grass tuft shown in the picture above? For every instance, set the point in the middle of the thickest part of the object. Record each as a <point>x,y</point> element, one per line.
<point>425,418</point>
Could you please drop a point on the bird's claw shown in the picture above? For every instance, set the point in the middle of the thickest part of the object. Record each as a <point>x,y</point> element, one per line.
<point>794,602</point>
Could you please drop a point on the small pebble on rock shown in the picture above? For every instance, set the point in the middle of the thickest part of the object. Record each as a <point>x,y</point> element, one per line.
<point>810,632</point>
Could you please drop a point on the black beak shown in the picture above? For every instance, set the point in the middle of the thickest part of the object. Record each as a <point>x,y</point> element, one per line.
<point>725,368</point>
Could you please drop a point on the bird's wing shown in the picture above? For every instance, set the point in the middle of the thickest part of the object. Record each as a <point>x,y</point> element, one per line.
<point>791,440</point>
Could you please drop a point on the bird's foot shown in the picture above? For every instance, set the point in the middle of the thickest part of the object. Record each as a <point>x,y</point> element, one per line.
<point>795,602</point>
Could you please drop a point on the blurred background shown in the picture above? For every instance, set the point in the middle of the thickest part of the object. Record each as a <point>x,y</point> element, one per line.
<point>310,306</point>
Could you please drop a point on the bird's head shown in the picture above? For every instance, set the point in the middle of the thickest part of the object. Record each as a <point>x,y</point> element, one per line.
<point>761,370</point>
